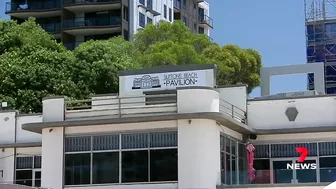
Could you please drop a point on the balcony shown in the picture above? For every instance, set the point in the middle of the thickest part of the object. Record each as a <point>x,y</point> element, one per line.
<point>205,21</point>
<point>177,5</point>
<point>37,9</point>
<point>116,106</point>
<point>73,45</point>
<point>52,28</point>
<point>92,26</point>
<point>91,5</point>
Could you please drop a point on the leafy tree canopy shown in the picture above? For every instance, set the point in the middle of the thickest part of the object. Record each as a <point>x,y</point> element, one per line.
<point>33,65</point>
<point>174,44</point>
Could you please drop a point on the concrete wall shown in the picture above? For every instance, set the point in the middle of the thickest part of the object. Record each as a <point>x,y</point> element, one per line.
<point>23,136</point>
<point>157,6</point>
<point>7,165</point>
<point>11,130</point>
<point>235,95</point>
<point>312,112</point>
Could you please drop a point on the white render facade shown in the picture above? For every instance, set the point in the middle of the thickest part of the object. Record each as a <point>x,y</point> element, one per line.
<point>176,130</point>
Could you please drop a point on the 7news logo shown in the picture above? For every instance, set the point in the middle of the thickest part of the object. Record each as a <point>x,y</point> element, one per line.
<point>301,164</point>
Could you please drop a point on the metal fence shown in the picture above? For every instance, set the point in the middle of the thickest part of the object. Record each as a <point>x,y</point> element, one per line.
<point>236,113</point>
<point>121,106</point>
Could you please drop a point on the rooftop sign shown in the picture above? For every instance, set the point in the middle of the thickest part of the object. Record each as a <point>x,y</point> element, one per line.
<point>171,79</point>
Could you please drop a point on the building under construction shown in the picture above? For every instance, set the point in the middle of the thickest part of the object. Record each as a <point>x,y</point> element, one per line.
<point>320,19</point>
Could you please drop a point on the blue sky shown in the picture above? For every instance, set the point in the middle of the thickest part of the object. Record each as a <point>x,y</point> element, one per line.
<point>274,28</point>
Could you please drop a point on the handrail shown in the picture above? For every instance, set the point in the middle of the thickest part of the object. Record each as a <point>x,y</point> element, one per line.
<point>84,22</point>
<point>120,106</point>
<point>69,2</point>
<point>35,5</point>
<point>206,19</point>
<point>232,110</point>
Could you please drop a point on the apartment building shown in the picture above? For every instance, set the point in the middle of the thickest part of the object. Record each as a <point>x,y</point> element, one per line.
<point>77,21</point>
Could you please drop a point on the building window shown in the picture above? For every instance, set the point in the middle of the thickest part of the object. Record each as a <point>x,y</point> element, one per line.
<point>142,21</point>
<point>165,11</point>
<point>201,30</point>
<point>142,157</point>
<point>184,19</point>
<point>149,20</point>
<point>184,4</point>
<point>170,15</point>
<point>126,35</point>
<point>150,4</point>
<point>232,161</point>
<point>142,2</point>
<point>28,170</point>
<point>125,13</point>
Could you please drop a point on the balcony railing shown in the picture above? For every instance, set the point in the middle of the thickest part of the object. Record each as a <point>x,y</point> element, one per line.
<point>70,2</point>
<point>72,46</point>
<point>205,19</point>
<point>34,5</point>
<point>177,4</point>
<point>115,106</point>
<point>52,28</point>
<point>233,111</point>
<point>89,22</point>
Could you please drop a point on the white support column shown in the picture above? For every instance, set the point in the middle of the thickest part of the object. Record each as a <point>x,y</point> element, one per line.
<point>198,140</point>
<point>52,161</point>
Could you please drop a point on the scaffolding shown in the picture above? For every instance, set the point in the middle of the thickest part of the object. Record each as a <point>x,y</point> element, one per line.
<point>320,22</point>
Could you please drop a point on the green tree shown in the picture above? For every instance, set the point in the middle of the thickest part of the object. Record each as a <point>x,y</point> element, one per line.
<point>174,44</point>
<point>98,64</point>
<point>32,66</point>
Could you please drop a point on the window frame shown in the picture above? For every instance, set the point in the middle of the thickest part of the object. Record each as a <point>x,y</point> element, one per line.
<point>32,169</point>
<point>151,144</point>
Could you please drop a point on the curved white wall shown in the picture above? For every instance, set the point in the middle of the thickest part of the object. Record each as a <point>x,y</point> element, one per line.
<point>197,100</point>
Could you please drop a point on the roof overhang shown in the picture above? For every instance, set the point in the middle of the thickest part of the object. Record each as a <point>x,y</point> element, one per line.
<point>220,118</point>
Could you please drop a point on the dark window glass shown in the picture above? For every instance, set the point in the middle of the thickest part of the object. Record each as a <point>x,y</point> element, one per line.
<point>163,165</point>
<point>150,4</point>
<point>142,2</point>
<point>125,13</point>
<point>77,169</point>
<point>37,179</point>
<point>170,14</point>
<point>149,20</point>
<point>262,167</point>
<point>165,11</point>
<point>242,171</point>
<point>77,144</point>
<point>37,161</point>
<point>142,20</point>
<point>234,169</point>
<point>223,167</point>
<point>105,168</point>
<point>280,172</point>
<point>200,30</point>
<point>328,169</point>
<point>135,166</point>
<point>126,35</point>
<point>24,162</point>
<point>132,141</point>
<point>228,168</point>
<point>24,177</point>
<point>184,4</point>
